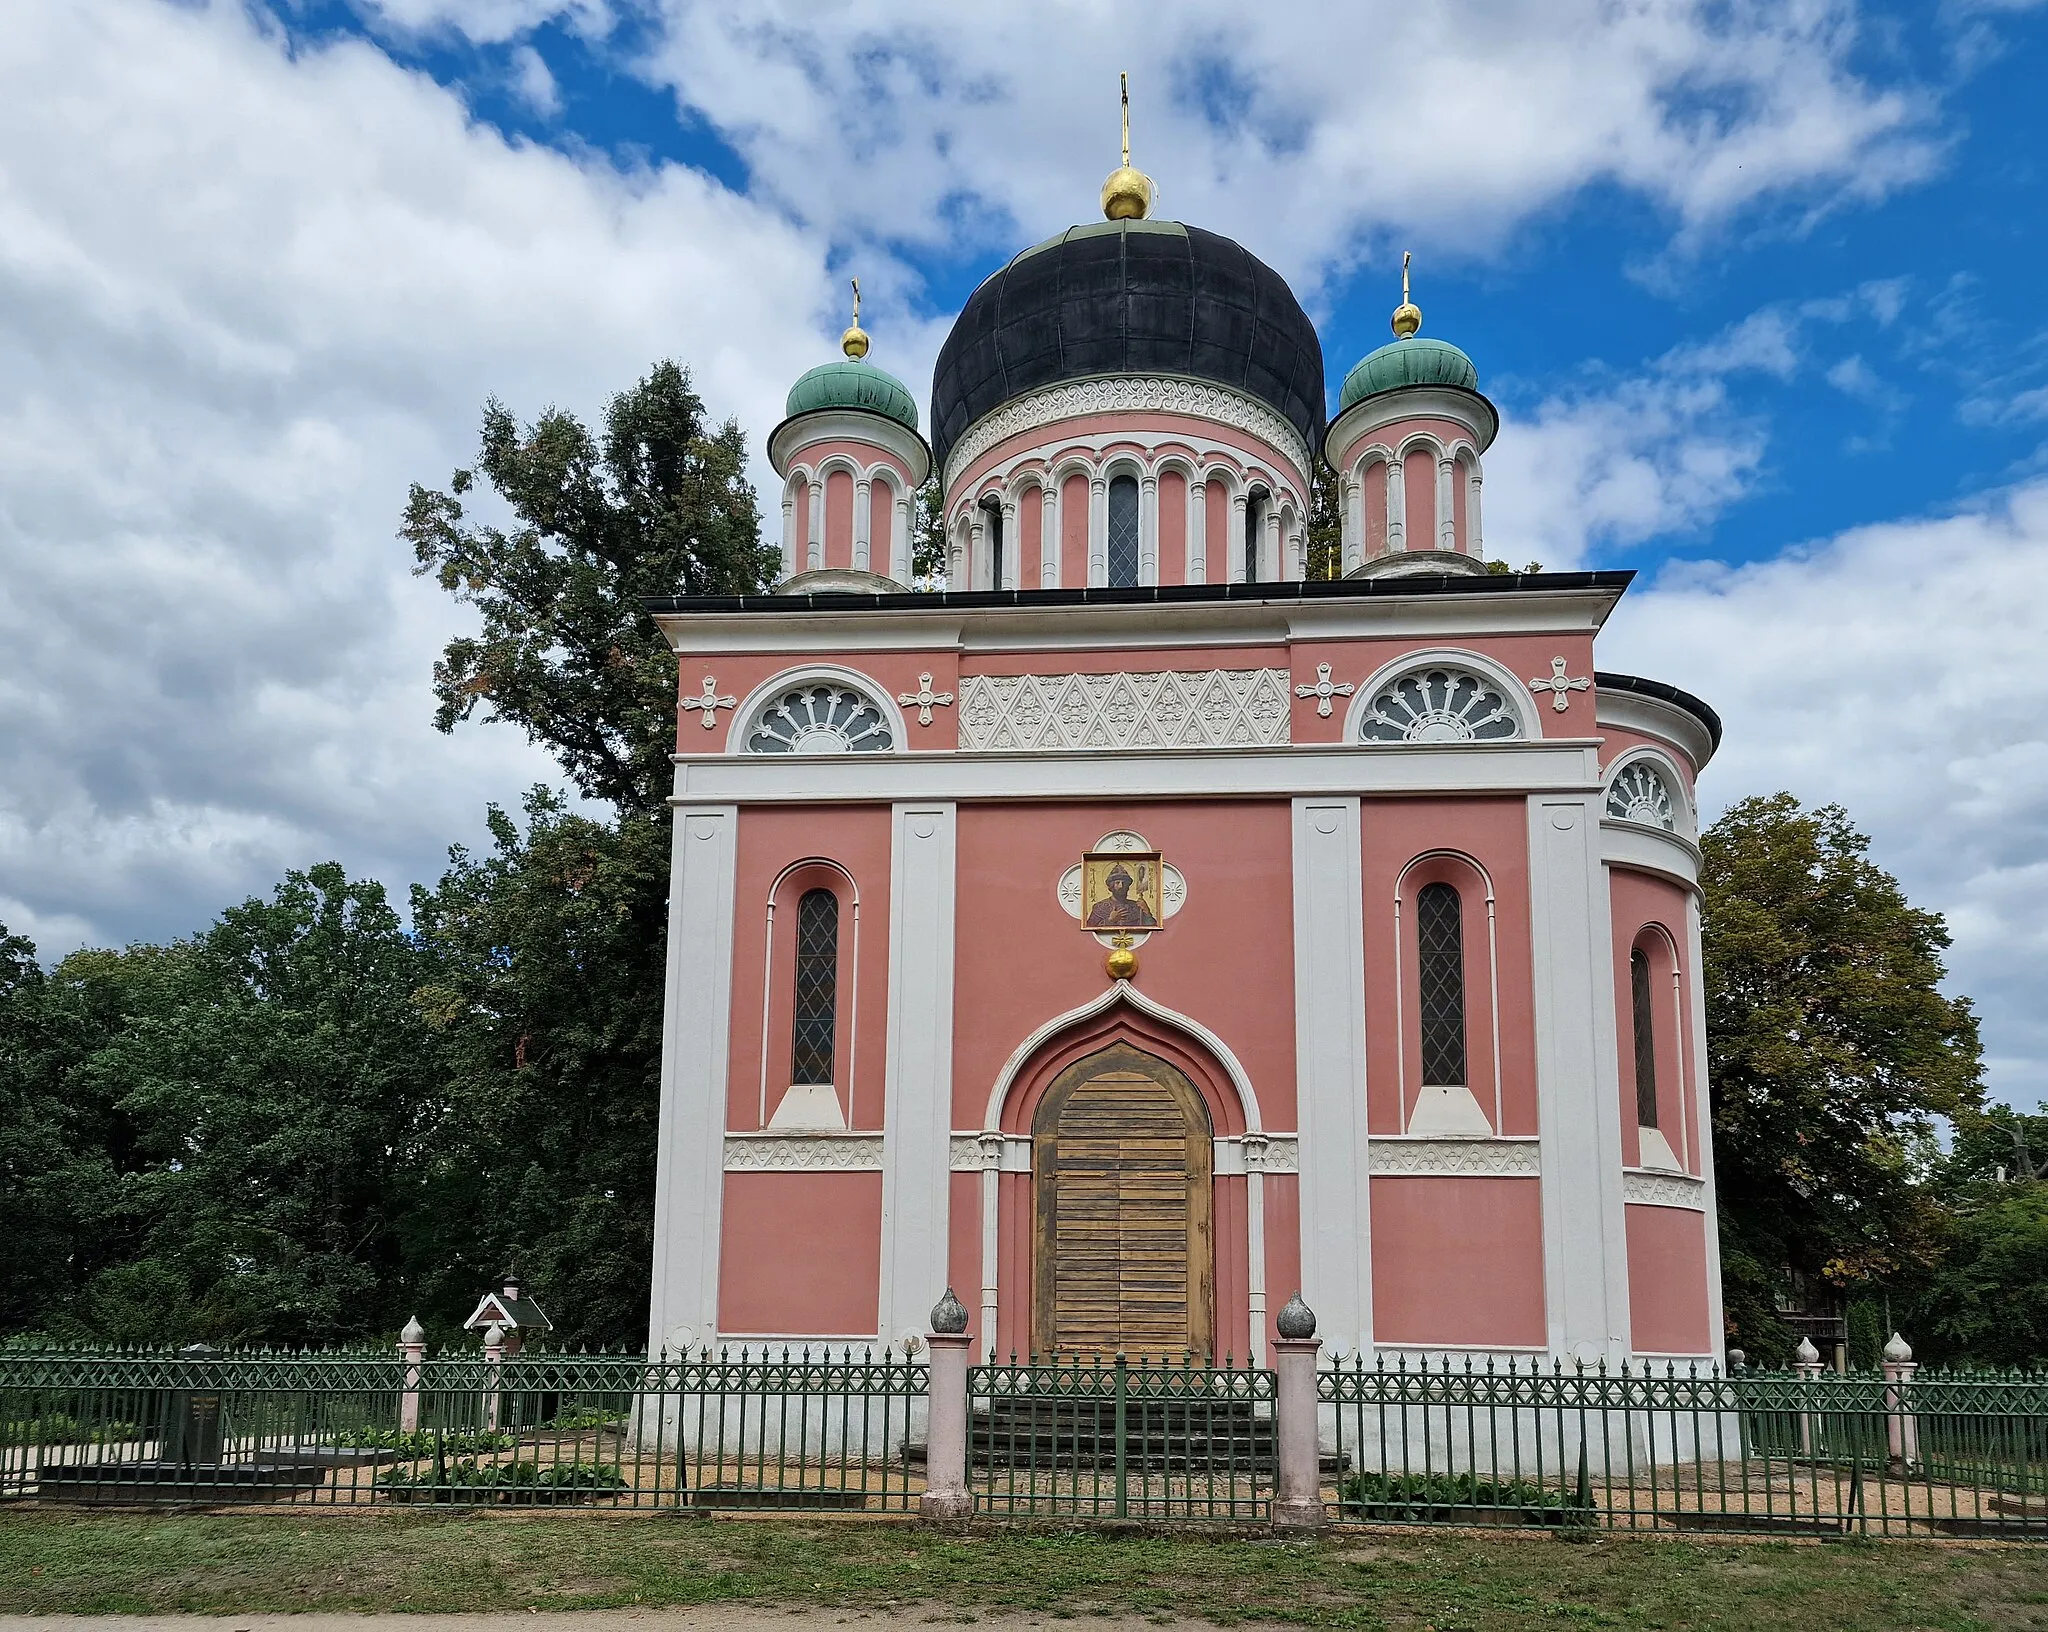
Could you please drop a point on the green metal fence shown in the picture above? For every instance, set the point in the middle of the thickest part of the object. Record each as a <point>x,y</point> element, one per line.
<point>1121,1438</point>
<point>1507,1442</point>
<point>718,1428</point>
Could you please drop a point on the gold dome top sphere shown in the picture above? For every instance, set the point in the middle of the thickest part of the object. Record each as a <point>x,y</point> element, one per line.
<point>1127,194</point>
<point>854,342</point>
<point>1407,315</point>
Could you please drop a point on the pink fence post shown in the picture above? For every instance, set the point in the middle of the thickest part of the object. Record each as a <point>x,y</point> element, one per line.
<point>494,1360</point>
<point>946,1497</point>
<point>1298,1496</point>
<point>412,1349</point>
<point>1902,1427</point>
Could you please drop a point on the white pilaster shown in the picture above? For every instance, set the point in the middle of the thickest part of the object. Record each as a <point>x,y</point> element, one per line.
<point>814,549</point>
<point>1578,1082</point>
<point>863,523</point>
<point>1475,538</point>
<point>1272,559</point>
<point>1013,548</point>
<point>1699,1118</point>
<point>1233,547</point>
<point>696,1031</point>
<point>1098,530</point>
<point>1446,516</point>
<point>1354,524</point>
<point>977,556</point>
<point>1148,528</point>
<point>1049,538</point>
<point>1329,1052</point>
<point>1397,504</point>
<point>918,1093</point>
<point>789,567</point>
<point>900,543</point>
<point>1198,533</point>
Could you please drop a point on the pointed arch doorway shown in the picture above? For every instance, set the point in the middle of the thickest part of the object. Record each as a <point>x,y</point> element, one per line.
<point>1123,1251</point>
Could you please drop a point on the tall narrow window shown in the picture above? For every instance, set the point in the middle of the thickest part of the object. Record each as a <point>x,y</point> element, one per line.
<point>1440,940</point>
<point>1123,533</point>
<point>1254,524</point>
<point>1644,1007</point>
<point>817,987</point>
<point>992,530</point>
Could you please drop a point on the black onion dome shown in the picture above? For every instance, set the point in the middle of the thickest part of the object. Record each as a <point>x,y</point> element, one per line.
<point>1130,297</point>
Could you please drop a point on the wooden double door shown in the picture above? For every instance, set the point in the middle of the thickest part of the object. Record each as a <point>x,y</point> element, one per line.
<point>1123,1159</point>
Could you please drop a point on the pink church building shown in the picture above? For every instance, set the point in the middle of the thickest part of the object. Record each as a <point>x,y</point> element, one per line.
<point>1132,933</point>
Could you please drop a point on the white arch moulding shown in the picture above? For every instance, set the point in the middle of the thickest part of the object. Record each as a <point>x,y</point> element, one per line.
<point>852,679</point>
<point>1688,1088</point>
<point>768,979</point>
<point>1674,783</point>
<point>1510,685</point>
<point>991,1140</point>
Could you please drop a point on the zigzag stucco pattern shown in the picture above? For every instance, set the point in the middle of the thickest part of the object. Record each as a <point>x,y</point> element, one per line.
<point>1404,1157</point>
<point>803,1153</point>
<point>1164,394</point>
<point>1664,1190</point>
<point>1062,713</point>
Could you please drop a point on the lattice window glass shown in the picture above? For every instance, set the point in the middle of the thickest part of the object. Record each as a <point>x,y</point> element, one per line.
<point>1254,524</point>
<point>1440,704</point>
<point>1640,794</point>
<point>992,530</point>
<point>817,987</point>
<point>1123,533</point>
<point>1644,1007</point>
<point>1440,943</point>
<point>819,719</point>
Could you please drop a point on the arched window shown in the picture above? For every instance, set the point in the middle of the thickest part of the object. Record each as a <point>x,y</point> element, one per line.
<point>1439,704</point>
<point>1644,1006</point>
<point>1639,794</point>
<point>1123,533</point>
<point>1440,944</point>
<point>1254,524</point>
<point>818,718</point>
<point>817,988</point>
<point>992,530</point>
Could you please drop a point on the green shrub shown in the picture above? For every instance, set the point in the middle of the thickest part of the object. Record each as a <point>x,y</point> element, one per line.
<point>518,1484</point>
<point>58,1429</point>
<point>420,1443</point>
<point>1444,1498</point>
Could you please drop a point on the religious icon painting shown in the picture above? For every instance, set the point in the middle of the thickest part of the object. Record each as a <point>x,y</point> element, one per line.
<point>1120,889</point>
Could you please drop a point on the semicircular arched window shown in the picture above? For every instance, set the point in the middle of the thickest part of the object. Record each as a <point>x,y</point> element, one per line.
<point>819,718</point>
<point>1640,794</point>
<point>1440,703</point>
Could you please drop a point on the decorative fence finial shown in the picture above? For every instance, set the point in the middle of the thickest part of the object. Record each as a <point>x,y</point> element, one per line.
<point>949,1315</point>
<point>414,1332</point>
<point>1898,1351</point>
<point>1806,1354</point>
<point>1296,1320</point>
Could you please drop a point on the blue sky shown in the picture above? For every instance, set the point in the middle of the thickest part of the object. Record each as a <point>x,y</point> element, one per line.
<point>1756,286</point>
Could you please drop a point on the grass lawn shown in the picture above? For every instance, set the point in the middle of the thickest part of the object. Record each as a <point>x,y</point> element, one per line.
<point>116,1562</point>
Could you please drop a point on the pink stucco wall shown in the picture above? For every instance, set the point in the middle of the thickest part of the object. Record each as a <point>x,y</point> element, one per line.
<point>1667,1281</point>
<point>838,519</point>
<point>800,1253</point>
<point>1457,1262</point>
<point>1074,533</point>
<point>1173,528</point>
<point>1652,912</point>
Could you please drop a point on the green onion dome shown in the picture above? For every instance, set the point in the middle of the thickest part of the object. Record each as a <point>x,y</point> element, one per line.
<point>853,383</point>
<point>1413,361</point>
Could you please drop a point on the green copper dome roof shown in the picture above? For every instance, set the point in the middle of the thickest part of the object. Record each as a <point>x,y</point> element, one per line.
<point>1414,361</point>
<point>850,383</point>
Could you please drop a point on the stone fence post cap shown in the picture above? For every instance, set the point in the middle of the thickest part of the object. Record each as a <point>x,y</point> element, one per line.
<point>1898,1351</point>
<point>1296,1319</point>
<point>414,1332</point>
<point>1806,1354</point>
<point>949,1315</point>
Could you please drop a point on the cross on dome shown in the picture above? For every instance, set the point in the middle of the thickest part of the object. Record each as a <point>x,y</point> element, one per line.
<point>1127,194</point>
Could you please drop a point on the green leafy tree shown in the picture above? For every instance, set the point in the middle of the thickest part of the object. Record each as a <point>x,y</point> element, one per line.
<point>928,534</point>
<point>1325,525</point>
<point>546,1007</point>
<point>1832,1052</point>
<point>658,504</point>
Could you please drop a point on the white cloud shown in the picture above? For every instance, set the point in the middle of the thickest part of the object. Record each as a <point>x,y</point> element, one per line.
<point>1895,669</point>
<point>533,82</point>
<point>246,295</point>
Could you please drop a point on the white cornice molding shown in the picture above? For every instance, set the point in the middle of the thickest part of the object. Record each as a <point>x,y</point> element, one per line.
<point>1518,768</point>
<point>1650,850</point>
<point>1361,419</point>
<point>1651,1189</point>
<point>1066,627</point>
<point>1128,393</point>
<point>792,436</point>
<point>803,1152</point>
<point>1277,1153</point>
<point>1653,717</point>
<point>1399,1156</point>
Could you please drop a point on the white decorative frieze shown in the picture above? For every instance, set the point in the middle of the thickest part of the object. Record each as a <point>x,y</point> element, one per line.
<point>1060,713</point>
<point>1126,393</point>
<point>1407,1157</point>
<point>802,1153</point>
<point>1663,1189</point>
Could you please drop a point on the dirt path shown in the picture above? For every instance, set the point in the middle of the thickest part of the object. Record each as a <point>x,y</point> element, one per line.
<point>715,1618</point>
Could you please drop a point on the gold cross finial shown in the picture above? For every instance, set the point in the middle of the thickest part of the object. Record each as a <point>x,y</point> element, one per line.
<point>1407,315</point>
<point>1127,195</point>
<point>854,342</point>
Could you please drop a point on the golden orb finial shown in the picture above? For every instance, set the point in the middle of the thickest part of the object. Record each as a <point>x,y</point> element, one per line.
<point>1127,194</point>
<point>1122,962</point>
<point>1407,315</point>
<point>854,342</point>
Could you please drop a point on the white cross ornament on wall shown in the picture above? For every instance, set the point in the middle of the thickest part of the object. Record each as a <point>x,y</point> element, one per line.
<point>1322,691</point>
<point>710,702</point>
<point>1558,685</point>
<point>924,697</point>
